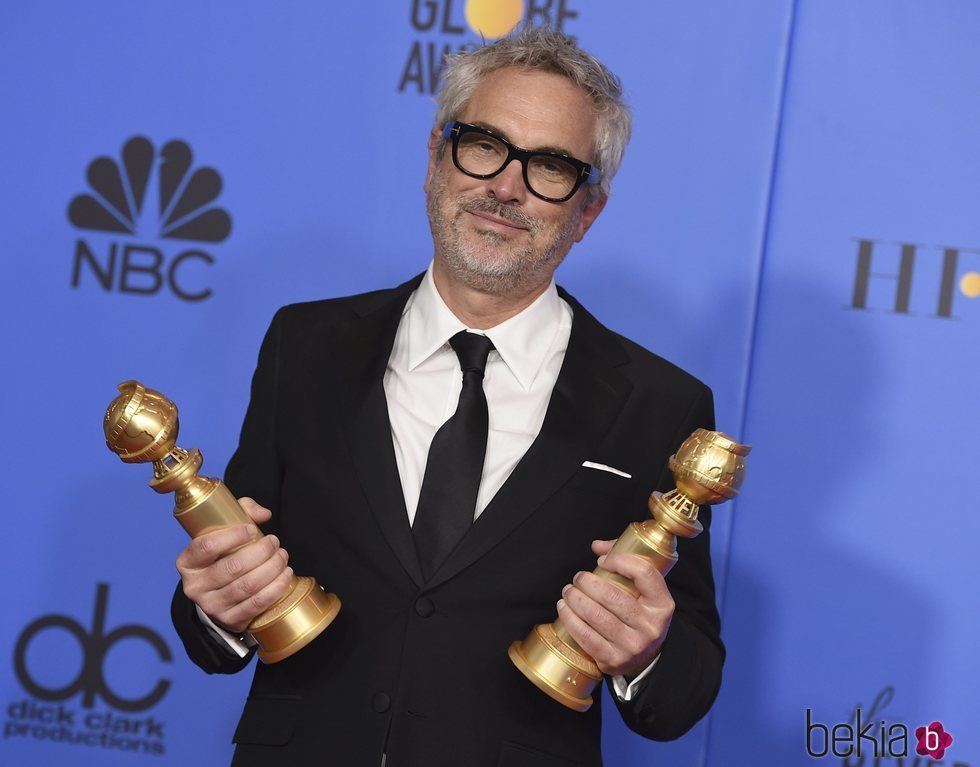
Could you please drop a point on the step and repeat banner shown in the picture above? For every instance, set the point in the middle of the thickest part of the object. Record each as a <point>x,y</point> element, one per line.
<point>795,223</point>
<point>850,598</point>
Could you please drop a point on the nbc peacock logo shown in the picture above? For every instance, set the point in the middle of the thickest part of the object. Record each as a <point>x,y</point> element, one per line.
<point>443,27</point>
<point>142,212</point>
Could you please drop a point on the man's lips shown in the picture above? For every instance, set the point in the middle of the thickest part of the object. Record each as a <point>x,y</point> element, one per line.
<point>501,224</point>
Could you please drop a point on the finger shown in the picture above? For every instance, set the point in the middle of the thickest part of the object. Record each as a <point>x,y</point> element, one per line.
<point>240,615</point>
<point>243,561</point>
<point>259,514</point>
<point>647,578</point>
<point>616,647</point>
<point>590,640</point>
<point>251,581</point>
<point>206,549</point>
<point>621,606</point>
<point>599,548</point>
<point>201,584</point>
<point>218,601</point>
<point>596,609</point>
<point>643,619</point>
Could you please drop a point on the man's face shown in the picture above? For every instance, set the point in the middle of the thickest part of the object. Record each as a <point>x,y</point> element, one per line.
<point>494,235</point>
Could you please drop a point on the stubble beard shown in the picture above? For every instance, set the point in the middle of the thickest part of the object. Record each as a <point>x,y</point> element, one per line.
<point>485,260</point>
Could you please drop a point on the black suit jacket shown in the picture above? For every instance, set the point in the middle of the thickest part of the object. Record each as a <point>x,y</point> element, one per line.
<point>420,670</point>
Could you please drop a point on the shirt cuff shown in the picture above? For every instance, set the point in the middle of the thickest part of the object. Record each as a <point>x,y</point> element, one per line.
<point>626,692</point>
<point>241,645</point>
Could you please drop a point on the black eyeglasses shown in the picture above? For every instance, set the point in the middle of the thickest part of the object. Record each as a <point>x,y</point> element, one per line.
<point>551,176</point>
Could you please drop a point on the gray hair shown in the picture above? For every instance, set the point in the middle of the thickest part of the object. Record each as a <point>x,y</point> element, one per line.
<point>541,48</point>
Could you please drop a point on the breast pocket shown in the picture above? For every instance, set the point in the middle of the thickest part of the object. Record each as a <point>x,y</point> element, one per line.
<point>600,504</point>
<point>600,481</point>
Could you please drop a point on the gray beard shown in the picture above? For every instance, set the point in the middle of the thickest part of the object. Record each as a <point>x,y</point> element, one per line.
<point>474,266</point>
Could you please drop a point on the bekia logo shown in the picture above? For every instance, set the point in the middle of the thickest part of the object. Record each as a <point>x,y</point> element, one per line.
<point>47,717</point>
<point>872,738</point>
<point>148,224</point>
<point>443,27</point>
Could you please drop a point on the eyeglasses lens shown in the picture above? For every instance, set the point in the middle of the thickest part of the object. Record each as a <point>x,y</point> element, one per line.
<point>484,155</point>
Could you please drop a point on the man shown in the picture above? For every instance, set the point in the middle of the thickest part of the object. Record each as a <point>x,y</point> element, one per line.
<point>344,456</point>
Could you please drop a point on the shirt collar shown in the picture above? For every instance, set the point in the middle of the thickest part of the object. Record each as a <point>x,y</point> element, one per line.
<point>523,342</point>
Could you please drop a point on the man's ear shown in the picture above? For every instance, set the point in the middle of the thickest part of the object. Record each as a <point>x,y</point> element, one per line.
<point>590,212</point>
<point>435,148</point>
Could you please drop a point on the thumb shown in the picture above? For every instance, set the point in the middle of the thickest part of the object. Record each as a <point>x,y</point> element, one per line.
<point>259,514</point>
<point>602,547</point>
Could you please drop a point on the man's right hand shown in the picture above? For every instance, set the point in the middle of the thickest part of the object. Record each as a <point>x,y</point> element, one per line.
<point>233,574</point>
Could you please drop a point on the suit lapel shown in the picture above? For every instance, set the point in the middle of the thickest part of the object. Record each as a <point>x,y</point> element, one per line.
<point>361,351</point>
<point>587,398</point>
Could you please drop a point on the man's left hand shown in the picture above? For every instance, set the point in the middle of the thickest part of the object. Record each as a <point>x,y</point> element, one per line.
<point>621,632</point>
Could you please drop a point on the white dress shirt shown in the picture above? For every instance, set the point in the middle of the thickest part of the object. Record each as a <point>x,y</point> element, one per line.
<point>422,384</point>
<point>423,381</point>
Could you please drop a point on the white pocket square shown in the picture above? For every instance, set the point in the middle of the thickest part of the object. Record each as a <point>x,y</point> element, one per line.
<point>603,467</point>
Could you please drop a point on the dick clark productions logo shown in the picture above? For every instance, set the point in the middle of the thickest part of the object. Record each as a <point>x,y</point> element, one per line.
<point>148,207</point>
<point>50,715</point>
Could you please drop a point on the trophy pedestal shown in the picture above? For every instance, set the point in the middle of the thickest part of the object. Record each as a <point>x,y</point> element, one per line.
<point>556,667</point>
<point>294,621</point>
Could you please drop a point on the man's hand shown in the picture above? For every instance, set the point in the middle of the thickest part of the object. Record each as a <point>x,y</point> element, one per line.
<point>621,632</point>
<point>232,574</point>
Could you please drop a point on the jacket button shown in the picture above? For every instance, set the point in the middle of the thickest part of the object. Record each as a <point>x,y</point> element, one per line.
<point>424,607</point>
<point>381,702</point>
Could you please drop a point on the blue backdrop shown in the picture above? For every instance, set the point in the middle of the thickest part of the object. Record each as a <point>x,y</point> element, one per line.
<point>795,223</point>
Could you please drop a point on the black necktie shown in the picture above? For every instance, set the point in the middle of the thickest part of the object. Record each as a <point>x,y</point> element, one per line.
<point>454,467</point>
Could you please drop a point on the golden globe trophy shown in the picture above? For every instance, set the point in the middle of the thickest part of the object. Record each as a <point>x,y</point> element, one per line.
<point>708,468</point>
<point>141,425</point>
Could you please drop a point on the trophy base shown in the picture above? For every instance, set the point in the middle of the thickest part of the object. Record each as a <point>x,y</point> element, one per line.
<point>294,621</point>
<point>560,671</point>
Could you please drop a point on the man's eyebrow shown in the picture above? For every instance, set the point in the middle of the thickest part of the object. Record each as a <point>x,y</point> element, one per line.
<point>503,134</point>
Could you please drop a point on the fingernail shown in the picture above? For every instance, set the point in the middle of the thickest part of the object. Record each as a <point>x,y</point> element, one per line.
<point>601,559</point>
<point>561,604</point>
<point>284,555</point>
<point>275,541</point>
<point>289,572</point>
<point>565,590</point>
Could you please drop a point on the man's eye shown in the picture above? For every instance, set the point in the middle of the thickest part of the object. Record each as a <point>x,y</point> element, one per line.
<point>551,169</point>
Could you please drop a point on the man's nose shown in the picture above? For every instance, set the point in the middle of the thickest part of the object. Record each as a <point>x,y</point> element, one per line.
<point>508,185</point>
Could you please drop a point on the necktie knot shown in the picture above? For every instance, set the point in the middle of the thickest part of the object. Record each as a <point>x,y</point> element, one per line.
<point>472,350</point>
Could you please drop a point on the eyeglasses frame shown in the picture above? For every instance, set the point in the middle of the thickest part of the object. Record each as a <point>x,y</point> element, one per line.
<point>588,174</point>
